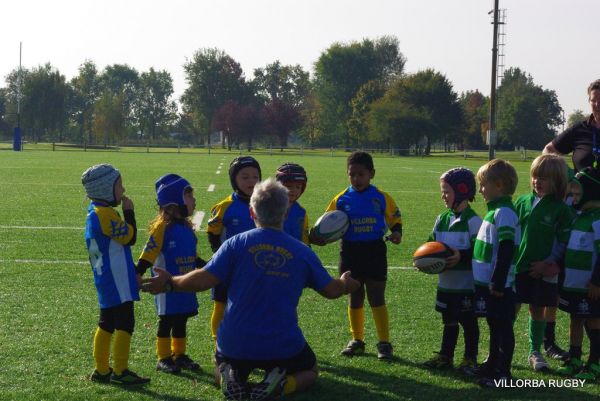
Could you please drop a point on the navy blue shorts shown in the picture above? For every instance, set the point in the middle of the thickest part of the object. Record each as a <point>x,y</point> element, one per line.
<point>454,306</point>
<point>364,259</point>
<point>304,360</point>
<point>578,305</point>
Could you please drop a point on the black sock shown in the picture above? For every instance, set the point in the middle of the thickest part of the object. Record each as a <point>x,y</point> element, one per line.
<point>471,335</point>
<point>594,336</point>
<point>549,335</point>
<point>575,351</point>
<point>449,340</point>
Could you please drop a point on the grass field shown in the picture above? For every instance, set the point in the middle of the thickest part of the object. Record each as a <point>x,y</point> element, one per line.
<point>48,307</point>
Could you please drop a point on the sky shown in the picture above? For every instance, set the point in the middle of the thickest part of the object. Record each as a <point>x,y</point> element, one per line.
<point>552,40</point>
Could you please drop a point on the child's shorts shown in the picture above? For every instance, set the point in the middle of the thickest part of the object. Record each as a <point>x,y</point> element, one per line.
<point>364,259</point>
<point>535,291</point>
<point>480,300</point>
<point>578,305</point>
<point>454,306</point>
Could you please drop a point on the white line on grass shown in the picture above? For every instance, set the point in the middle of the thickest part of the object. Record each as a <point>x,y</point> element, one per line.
<point>197,220</point>
<point>211,188</point>
<point>81,262</point>
<point>48,228</point>
<point>218,172</point>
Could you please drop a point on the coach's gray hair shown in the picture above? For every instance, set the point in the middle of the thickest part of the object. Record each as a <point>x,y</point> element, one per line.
<point>270,203</point>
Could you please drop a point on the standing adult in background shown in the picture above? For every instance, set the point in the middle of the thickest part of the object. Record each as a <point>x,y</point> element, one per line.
<point>265,271</point>
<point>583,138</point>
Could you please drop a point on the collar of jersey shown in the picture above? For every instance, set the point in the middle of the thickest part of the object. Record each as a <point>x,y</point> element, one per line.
<point>498,202</point>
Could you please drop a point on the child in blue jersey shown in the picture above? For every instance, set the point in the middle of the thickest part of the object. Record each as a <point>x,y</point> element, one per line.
<point>230,217</point>
<point>172,246</point>
<point>293,177</point>
<point>457,227</point>
<point>493,268</point>
<point>363,250</point>
<point>580,292</point>
<point>109,240</point>
<point>545,222</point>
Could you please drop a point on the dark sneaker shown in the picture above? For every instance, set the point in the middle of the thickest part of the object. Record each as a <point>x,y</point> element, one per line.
<point>354,347</point>
<point>495,381</point>
<point>571,367</point>
<point>439,361</point>
<point>555,352</point>
<point>185,362</point>
<point>468,366</point>
<point>101,378</point>
<point>537,362</point>
<point>128,378</point>
<point>589,372</point>
<point>485,369</point>
<point>384,350</point>
<point>271,387</point>
<point>167,365</point>
<point>231,387</point>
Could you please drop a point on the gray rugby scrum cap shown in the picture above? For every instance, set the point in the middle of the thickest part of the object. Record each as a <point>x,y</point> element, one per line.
<point>99,182</point>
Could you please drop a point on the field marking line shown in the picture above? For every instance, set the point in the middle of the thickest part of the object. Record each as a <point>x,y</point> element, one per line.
<point>211,188</point>
<point>81,262</point>
<point>48,228</point>
<point>218,172</point>
<point>197,220</point>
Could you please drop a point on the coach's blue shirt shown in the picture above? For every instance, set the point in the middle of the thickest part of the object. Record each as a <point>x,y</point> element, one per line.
<point>265,272</point>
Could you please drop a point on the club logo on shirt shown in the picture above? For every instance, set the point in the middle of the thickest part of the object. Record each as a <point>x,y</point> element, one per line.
<point>346,207</point>
<point>269,257</point>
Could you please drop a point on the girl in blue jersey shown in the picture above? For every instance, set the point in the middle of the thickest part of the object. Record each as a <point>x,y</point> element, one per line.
<point>363,250</point>
<point>172,246</point>
<point>293,177</point>
<point>229,217</point>
<point>109,240</point>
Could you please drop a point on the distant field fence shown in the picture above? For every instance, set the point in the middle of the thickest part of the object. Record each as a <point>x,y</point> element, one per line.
<point>522,154</point>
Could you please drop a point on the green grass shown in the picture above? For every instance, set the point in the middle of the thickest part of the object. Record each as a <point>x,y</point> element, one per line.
<point>48,307</point>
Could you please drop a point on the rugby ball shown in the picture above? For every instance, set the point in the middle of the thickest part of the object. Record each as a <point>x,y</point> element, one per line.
<point>431,257</point>
<point>331,226</point>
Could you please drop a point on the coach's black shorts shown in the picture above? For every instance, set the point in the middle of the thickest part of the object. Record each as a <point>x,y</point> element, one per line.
<point>579,305</point>
<point>535,291</point>
<point>454,306</point>
<point>364,259</point>
<point>304,360</point>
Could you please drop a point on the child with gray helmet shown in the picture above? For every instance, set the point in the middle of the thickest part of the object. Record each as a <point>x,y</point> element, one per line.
<point>109,239</point>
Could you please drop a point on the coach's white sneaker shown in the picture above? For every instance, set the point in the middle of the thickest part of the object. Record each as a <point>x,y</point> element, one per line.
<point>537,362</point>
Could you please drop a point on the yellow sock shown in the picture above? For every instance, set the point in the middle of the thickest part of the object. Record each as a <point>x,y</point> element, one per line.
<point>178,346</point>
<point>163,347</point>
<point>215,319</point>
<point>357,323</point>
<point>382,323</point>
<point>102,350</point>
<point>290,385</point>
<point>120,351</point>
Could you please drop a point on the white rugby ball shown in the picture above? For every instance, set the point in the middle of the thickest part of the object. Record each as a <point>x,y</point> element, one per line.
<point>331,226</point>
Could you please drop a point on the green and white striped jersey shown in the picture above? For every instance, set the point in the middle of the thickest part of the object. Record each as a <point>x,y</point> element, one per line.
<point>500,223</point>
<point>582,251</point>
<point>460,233</point>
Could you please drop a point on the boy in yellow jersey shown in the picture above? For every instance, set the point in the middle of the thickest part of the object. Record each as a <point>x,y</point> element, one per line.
<point>230,217</point>
<point>363,250</point>
<point>109,240</point>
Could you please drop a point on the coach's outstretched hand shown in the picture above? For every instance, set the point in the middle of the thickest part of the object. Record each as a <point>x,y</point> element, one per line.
<point>161,282</point>
<point>350,284</point>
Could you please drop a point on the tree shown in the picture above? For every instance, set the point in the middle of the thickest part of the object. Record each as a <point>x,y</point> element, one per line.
<point>576,117</point>
<point>154,108</point>
<point>342,69</point>
<point>310,129</point>
<point>238,122</point>
<point>528,115</point>
<point>213,78</point>
<point>280,118</point>
<point>43,101</point>
<point>424,103</point>
<point>5,127</point>
<point>121,82</point>
<point>109,118</point>
<point>84,94</point>
<point>475,110</point>
<point>358,129</point>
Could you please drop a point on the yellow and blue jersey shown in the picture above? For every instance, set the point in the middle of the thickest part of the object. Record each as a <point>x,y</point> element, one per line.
<point>371,212</point>
<point>296,223</point>
<point>230,217</point>
<point>173,247</point>
<point>107,237</point>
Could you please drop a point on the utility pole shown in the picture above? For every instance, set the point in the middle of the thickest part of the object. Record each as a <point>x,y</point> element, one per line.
<point>492,135</point>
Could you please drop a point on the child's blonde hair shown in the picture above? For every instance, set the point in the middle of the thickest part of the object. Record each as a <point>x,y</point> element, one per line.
<point>501,171</point>
<point>554,169</point>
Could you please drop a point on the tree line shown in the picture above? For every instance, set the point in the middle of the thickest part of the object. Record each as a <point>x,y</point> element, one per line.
<point>359,95</point>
